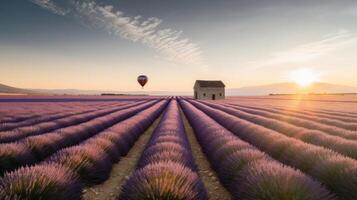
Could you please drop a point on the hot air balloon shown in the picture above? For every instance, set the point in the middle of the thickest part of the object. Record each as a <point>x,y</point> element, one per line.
<point>142,79</point>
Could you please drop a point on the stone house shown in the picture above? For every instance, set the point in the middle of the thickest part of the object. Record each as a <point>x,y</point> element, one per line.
<point>209,90</point>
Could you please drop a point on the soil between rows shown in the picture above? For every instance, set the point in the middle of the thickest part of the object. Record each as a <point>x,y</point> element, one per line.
<point>210,180</point>
<point>110,189</point>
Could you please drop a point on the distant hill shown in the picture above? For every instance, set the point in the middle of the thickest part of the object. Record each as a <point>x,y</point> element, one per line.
<point>5,89</point>
<point>98,92</point>
<point>13,90</point>
<point>291,88</point>
<point>279,88</point>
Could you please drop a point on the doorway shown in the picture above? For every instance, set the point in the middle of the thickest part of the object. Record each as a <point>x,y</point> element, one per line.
<point>213,97</point>
<point>195,95</point>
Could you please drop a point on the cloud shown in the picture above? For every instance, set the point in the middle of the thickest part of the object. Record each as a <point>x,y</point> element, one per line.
<point>167,42</point>
<point>50,5</point>
<point>310,51</point>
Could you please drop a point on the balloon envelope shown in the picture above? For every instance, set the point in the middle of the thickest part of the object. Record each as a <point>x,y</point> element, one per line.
<point>142,79</point>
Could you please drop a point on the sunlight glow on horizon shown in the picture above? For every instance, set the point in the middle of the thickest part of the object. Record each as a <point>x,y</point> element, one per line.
<point>304,77</point>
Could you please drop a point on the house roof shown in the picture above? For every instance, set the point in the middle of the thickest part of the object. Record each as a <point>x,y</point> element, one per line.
<point>203,84</point>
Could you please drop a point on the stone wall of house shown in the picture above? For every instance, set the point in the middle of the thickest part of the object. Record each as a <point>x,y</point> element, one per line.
<point>209,93</point>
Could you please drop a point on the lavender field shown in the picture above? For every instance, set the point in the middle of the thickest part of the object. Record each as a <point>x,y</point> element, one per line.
<point>177,148</point>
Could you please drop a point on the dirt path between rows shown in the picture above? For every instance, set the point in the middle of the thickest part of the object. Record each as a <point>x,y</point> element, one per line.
<point>110,189</point>
<point>210,180</point>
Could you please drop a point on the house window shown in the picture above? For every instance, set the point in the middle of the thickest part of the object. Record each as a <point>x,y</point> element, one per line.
<point>204,94</point>
<point>220,94</point>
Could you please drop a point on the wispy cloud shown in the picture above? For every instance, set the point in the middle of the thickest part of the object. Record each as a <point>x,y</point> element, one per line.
<point>50,5</point>
<point>310,51</point>
<point>167,42</point>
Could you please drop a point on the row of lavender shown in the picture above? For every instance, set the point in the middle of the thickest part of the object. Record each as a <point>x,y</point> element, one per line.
<point>332,104</point>
<point>33,149</point>
<point>332,112</point>
<point>66,121</point>
<point>314,115</point>
<point>62,175</point>
<point>245,171</point>
<point>17,112</point>
<point>333,129</point>
<point>13,112</point>
<point>47,117</point>
<point>338,144</point>
<point>337,172</point>
<point>166,169</point>
<point>321,112</point>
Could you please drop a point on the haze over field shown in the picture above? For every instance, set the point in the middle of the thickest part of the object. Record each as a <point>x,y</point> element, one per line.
<point>104,45</point>
<point>279,88</point>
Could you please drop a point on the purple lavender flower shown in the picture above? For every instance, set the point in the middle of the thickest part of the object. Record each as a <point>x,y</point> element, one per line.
<point>48,181</point>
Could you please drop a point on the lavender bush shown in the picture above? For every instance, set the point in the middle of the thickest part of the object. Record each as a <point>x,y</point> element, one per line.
<point>166,169</point>
<point>234,161</point>
<point>294,153</point>
<point>50,182</point>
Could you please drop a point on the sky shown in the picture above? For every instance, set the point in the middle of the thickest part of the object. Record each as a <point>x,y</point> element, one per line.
<point>106,44</point>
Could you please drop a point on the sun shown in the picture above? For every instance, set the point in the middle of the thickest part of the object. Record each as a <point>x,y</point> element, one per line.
<point>304,77</point>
